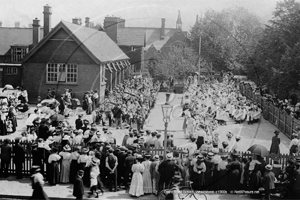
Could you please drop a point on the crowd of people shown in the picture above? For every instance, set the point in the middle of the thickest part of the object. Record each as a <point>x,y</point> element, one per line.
<point>11,101</point>
<point>86,155</point>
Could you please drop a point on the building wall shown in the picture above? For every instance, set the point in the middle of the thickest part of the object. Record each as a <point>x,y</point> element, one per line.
<point>61,49</point>
<point>136,56</point>
<point>35,80</point>
<point>12,79</point>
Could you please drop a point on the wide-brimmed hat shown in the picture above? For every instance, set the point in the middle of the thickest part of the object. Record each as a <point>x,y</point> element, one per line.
<point>95,161</point>
<point>148,156</point>
<point>200,157</point>
<point>196,152</point>
<point>269,167</point>
<point>67,148</point>
<point>225,143</point>
<point>276,132</point>
<point>238,137</point>
<point>210,155</point>
<point>169,156</point>
<point>156,157</point>
<point>104,128</point>
<point>215,151</point>
<point>84,150</point>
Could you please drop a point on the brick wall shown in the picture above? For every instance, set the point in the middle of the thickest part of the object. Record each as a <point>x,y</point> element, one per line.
<point>35,81</point>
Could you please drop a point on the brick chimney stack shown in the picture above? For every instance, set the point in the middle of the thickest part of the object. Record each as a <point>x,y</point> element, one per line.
<point>87,22</point>
<point>36,32</point>
<point>162,28</point>
<point>76,21</point>
<point>47,19</point>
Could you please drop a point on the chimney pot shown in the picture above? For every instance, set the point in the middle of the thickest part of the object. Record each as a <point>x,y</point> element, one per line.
<point>35,32</point>
<point>47,19</point>
<point>162,29</point>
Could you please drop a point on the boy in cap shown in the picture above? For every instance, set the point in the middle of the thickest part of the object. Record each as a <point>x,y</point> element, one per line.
<point>78,188</point>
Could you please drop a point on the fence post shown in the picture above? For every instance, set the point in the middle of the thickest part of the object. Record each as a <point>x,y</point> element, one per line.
<point>284,122</point>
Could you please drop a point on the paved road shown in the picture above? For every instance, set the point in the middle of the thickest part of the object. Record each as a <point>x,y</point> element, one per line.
<point>260,133</point>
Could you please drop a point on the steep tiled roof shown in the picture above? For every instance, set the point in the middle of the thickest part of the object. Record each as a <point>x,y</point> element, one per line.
<point>131,37</point>
<point>15,36</point>
<point>138,36</point>
<point>96,43</point>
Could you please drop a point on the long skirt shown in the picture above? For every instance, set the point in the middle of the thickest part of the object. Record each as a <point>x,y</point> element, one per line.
<point>223,179</point>
<point>147,184</point>
<point>65,171</point>
<point>38,192</point>
<point>54,173</point>
<point>73,170</point>
<point>198,180</point>
<point>136,186</point>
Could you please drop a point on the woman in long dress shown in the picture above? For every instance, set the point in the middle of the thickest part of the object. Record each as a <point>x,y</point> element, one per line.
<point>65,165</point>
<point>37,184</point>
<point>147,184</point>
<point>53,160</point>
<point>74,164</point>
<point>136,186</point>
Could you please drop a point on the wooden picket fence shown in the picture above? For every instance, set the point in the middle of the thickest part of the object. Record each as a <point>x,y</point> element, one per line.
<point>284,122</point>
<point>282,158</point>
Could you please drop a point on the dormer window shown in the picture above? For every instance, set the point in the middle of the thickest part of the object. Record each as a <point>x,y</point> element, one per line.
<point>18,53</point>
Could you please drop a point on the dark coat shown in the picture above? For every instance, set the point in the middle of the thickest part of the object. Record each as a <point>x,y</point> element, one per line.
<point>78,123</point>
<point>78,189</point>
<point>275,145</point>
<point>166,170</point>
<point>6,152</point>
<point>234,172</point>
<point>19,152</point>
<point>268,181</point>
<point>255,179</point>
<point>43,132</point>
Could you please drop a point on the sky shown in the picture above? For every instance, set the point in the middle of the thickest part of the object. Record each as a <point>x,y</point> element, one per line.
<point>137,13</point>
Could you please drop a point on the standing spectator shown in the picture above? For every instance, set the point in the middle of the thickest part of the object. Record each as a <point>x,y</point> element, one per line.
<point>95,99</point>
<point>268,181</point>
<point>19,158</point>
<point>147,183</point>
<point>129,161</point>
<point>43,130</point>
<point>37,184</point>
<point>234,170</point>
<point>65,165</point>
<point>54,159</point>
<point>294,144</point>
<point>79,122</point>
<point>275,143</point>
<point>167,171</point>
<point>158,143</point>
<point>136,186</point>
<point>78,189</point>
<point>155,174</point>
<point>117,111</point>
<point>111,164</point>
<point>5,158</point>
<point>74,164</point>
<point>11,117</point>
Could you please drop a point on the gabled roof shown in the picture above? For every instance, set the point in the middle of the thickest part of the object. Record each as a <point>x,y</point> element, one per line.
<point>138,36</point>
<point>10,36</point>
<point>97,44</point>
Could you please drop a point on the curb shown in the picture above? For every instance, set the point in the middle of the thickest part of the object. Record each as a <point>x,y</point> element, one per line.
<point>4,196</point>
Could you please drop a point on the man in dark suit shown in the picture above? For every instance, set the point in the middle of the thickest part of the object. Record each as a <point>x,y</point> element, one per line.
<point>117,111</point>
<point>79,122</point>
<point>129,161</point>
<point>78,189</point>
<point>121,155</point>
<point>167,171</point>
<point>111,164</point>
<point>5,158</point>
<point>43,130</point>
<point>170,143</point>
<point>19,158</point>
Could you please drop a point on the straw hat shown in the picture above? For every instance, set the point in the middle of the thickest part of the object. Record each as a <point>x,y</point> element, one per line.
<point>269,167</point>
<point>67,148</point>
<point>169,156</point>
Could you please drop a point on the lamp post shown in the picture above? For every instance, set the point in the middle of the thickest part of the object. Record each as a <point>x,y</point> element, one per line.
<point>166,110</point>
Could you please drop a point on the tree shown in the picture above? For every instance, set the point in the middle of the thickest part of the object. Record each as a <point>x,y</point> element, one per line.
<point>279,49</point>
<point>179,63</point>
<point>228,37</point>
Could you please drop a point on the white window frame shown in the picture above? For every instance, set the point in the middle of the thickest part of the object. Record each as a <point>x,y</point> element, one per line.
<point>11,71</point>
<point>18,53</point>
<point>70,73</point>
